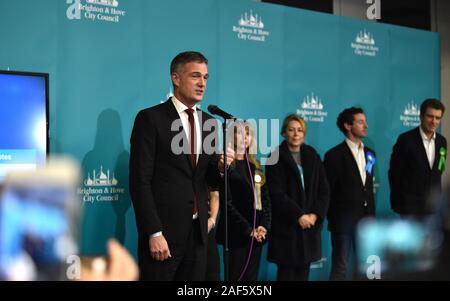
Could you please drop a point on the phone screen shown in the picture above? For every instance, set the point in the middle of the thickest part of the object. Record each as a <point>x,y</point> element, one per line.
<point>36,229</point>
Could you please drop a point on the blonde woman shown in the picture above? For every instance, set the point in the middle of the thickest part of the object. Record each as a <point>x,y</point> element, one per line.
<point>299,193</point>
<point>249,212</point>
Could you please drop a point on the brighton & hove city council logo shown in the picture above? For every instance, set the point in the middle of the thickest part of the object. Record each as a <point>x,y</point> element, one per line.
<point>411,115</point>
<point>100,186</point>
<point>312,109</point>
<point>251,28</point>
<point>364,44</point>
<point>95,10</point>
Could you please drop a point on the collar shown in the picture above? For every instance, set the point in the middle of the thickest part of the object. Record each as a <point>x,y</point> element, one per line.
<point>181,107</point>
<point>424,136</point>
<point>353,146</point>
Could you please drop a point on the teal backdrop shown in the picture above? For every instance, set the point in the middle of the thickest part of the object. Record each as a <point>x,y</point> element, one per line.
<point>107,59</point>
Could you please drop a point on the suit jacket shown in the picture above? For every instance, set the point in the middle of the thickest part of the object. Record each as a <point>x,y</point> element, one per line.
<point>289,244</point>
<point>410,177</point>
<point>241,209</point>
<point>350,199</point>
<point>162,183</point>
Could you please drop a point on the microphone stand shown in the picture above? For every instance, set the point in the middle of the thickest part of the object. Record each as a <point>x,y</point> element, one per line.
<point>225,195</point>
<point>225,211</point>
<point>216,111</point>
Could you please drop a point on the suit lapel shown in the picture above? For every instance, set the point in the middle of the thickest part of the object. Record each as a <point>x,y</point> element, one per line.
<point>437,156</point>
<point>206,131</point>
<point>369,176</point>
<point>421,148</point>
<point>351,158</point>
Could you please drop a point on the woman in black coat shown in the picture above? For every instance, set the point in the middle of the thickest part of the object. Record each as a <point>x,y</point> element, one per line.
<point>299,194</point>
<point>248,220</point>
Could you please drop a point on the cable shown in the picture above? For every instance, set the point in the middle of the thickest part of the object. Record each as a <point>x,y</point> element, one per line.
<point>244,270</point>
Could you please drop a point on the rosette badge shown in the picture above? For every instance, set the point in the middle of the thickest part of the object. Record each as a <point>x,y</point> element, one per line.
<point>442,156</point>
<point>370,161</point>
<point>260,180</point>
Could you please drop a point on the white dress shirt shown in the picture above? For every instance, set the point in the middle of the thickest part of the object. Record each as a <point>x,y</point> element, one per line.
<point>430,146</point>
<point>360,158</point>
<point>181,109</point>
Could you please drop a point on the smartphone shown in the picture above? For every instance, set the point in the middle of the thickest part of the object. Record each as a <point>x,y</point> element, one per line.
<point>39,214</point>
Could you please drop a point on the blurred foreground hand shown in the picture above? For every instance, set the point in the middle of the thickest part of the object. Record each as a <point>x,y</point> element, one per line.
<point>121,266</point>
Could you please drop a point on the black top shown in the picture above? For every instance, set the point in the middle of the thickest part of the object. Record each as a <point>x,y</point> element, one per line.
<point>241,207</point>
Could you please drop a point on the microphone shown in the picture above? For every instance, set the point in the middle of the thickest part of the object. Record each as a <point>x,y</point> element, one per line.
<point>216,111</point>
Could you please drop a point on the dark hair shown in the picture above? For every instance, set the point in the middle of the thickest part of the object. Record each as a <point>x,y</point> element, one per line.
<point>186,57</point>
<point>431,103</point>
<point>292,117</point>
<point>347,116</point>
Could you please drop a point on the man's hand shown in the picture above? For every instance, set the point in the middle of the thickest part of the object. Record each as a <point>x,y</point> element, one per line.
<point>159,249</point>
<point>230,158</point>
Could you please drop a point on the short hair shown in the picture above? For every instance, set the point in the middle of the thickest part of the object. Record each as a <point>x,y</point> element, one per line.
<point>431,103</point>
<point>293,117</point>
<point>347,116</point>
<point>183,58</point>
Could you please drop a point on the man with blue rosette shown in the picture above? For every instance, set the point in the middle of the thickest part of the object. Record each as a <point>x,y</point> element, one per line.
<point>417,163</point>
<point>349,167</point>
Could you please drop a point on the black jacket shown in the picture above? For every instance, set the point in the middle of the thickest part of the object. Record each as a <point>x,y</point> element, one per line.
<point>410,177</point>
<point>289,244</point>
<point>163,183</point>
<point>241,208</point>
<point>350,199</point>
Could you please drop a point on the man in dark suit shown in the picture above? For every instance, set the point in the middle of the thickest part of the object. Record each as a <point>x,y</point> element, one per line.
<point>170,163</point>
<point>349,168</point>
<point>417,163</point>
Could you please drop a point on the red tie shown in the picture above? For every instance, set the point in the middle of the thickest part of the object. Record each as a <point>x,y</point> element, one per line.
<point>193,143</point>
<point>193,153</point>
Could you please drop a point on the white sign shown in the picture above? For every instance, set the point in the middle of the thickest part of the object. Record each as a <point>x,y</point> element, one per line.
<point>312,109</point>
<point>251,28</point>
<point>411,115</point>
<point>95,10</point>
<point>364,44</point>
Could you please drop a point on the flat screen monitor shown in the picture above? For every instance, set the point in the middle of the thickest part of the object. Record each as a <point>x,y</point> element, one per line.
<point>23,121</point>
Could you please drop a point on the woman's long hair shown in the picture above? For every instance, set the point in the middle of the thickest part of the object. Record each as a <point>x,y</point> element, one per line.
<point>251,150</point>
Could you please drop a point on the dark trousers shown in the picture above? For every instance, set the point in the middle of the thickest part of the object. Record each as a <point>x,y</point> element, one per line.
<point>238,261</point>
<point>188,261</point>
<point>342,246</point>
<point>293,273</point>
<point>212,258</point>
